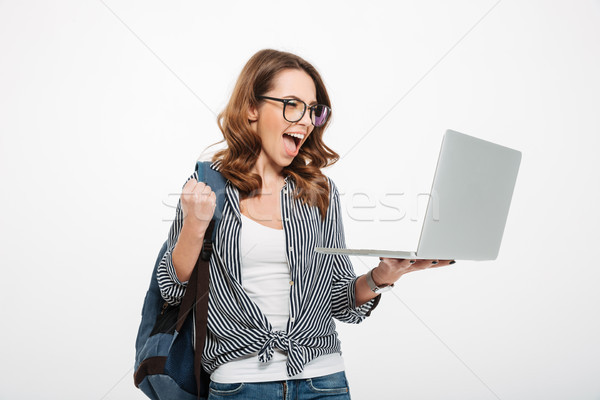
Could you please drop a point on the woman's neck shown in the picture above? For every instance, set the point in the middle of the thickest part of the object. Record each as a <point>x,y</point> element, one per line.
<point>272,176</point>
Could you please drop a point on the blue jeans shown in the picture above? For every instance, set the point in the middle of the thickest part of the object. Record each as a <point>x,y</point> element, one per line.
<point>330,387</point>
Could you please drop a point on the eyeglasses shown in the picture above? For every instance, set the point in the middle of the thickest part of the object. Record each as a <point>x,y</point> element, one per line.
<point>293,110</point>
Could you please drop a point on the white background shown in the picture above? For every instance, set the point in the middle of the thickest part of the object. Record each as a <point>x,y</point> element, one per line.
<point>105,107</point>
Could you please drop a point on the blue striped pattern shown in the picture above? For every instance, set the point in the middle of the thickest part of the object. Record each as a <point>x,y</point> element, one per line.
<point>322,289</point>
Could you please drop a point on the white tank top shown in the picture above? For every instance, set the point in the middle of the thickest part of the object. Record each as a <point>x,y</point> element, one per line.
<point>266,279</point>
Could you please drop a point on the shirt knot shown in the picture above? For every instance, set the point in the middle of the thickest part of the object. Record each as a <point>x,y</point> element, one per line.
<point>277,339</point>
<point>280,339</point>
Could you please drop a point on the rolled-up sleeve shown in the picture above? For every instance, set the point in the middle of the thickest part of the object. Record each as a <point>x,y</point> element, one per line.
<point>344,278</point>
<point>171,288</point>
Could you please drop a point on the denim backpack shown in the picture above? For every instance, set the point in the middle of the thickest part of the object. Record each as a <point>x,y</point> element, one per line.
<point>166,365</point>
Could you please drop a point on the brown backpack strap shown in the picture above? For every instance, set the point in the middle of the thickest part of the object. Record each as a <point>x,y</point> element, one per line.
<point>196,298</point>
<point>202,302</point>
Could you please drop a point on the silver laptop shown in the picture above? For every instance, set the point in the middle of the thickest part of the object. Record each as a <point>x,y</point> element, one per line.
<point>468,204</point>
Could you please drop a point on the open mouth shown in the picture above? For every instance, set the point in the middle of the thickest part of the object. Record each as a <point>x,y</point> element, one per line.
<point>291,142</point>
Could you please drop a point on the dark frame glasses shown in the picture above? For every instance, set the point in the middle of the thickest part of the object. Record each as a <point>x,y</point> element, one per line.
<point>319,113</point>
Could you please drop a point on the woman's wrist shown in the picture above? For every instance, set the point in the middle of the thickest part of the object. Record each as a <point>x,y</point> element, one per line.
<point>193,229</point>
<point>382,279</point>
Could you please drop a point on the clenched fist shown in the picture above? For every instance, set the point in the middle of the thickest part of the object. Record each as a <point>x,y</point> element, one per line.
<point>198,204</point>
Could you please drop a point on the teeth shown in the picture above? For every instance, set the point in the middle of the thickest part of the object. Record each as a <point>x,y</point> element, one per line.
<point>296,135</point>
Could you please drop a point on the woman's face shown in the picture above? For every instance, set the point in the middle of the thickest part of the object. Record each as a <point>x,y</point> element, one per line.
<point>278,148</point>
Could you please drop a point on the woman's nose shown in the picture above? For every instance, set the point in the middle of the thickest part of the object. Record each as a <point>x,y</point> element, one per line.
<point>305,120</point>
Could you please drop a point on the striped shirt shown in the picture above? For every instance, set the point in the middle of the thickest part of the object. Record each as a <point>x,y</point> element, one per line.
<point>322,286</point>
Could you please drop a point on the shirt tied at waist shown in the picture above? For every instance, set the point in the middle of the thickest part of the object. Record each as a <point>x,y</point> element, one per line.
<point>295,355</point>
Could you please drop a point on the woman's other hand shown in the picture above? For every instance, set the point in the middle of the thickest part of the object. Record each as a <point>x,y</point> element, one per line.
<point>198,204</point>
<point>390,270</point>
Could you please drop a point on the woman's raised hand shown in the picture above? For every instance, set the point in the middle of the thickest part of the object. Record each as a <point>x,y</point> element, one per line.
<point>198,204</point>
<point>390,270</point>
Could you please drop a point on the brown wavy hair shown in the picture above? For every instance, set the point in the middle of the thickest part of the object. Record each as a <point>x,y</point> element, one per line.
<point>244,146</point>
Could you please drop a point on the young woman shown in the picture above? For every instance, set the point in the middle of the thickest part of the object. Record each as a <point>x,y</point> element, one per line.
<point>272,298</point>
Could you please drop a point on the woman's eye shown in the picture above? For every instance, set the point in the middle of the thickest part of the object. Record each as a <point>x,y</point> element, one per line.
<point>292,104</point>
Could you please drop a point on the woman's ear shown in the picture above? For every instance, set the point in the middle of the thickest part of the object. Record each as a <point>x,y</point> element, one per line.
<point>252,114</point>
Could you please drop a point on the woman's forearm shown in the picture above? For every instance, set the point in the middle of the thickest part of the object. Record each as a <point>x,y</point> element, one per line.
<point>186,252</point>
<point>363,291</point>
